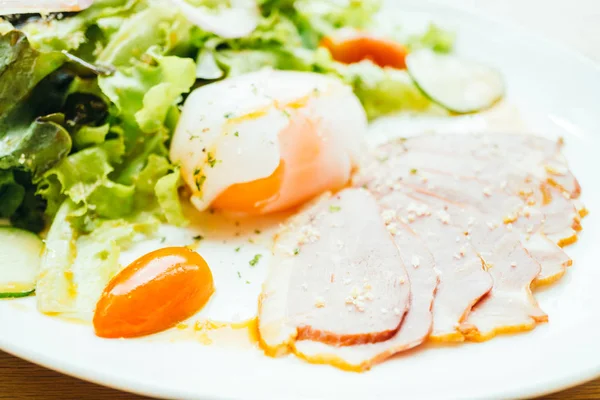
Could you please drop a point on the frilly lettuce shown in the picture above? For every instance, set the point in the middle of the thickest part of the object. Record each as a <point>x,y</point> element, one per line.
<point>75,268</point>
<point>92,126</point>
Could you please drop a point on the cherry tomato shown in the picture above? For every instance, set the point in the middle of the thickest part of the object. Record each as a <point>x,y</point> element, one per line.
<point>154,293</point>
<point>360,46</point>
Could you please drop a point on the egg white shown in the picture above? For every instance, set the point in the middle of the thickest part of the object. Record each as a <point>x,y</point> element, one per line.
<point>228,131</point>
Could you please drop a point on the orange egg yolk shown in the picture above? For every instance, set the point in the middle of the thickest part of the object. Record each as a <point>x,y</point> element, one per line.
<point>305,170</point>
<point>154,293</point>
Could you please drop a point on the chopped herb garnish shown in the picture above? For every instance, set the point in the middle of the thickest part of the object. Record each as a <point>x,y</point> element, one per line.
<point>239,275</point>
<point>257,231</point>
<point>228,115</point>
<point>413,171</point>
<point>364,186</point>
<point>200,181</point>
<point>286,113</point>
<point>255,260</point>
<point>198,237</point>
<point>383,158</point>
<point>247,282</point>
<point>333,208</point>
<point>196,171</point>
<point>237,249</point>
<point>211,159</point>
<point>163,239</point>
<point>236,134</point>
<point>296,251</point>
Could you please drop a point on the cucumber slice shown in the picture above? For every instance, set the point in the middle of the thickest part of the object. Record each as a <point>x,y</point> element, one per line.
<point>459,85</point>
<point>20,254</point>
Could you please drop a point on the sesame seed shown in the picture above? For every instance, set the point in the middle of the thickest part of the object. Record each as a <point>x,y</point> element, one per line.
<point>444,217</point>
<point>415,261</point>
<point>392,228</point>
<point>388,216</point>
<point>367,285</point>
<point>304,287</point>
<point>384,310</point>
<point>396,311</point>
<point>513,264</point>
<point>529,229</point>
<point>347,281</point>
<point>319,302</point>
<point>487,191</point>
<point>369,296</point>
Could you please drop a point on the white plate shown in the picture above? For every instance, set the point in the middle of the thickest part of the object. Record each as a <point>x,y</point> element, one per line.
<point>558,93</point>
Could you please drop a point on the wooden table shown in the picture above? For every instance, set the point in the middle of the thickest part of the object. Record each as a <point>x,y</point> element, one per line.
<point>573,23</point>
<point>20,380</point>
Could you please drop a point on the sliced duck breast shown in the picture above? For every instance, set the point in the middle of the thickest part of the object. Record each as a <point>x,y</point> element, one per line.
<point>335,266</point>
<point>417,323</point>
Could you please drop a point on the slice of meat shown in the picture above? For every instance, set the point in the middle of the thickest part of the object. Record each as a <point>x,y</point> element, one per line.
<point>458,208</point>
<point>552,259</point>
<point>509,306</point>
<point>462,280</point>
<point>492,174</point>
<point>418,321</point>
<point>539,156</point>
<point>499,201</point>
<point>335,266</point>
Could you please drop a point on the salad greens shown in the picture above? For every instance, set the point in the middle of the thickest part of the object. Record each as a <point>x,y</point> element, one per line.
<point>88,102</point>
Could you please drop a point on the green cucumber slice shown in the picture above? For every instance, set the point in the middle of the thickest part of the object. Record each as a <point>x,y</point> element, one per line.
<point>20,255</point>
<point>459,85</point>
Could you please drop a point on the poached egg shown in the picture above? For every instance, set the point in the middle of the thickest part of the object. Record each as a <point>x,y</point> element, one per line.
<point>268,141</point>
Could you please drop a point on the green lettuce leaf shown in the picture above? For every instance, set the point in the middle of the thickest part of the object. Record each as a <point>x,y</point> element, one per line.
<point>177,75</point>
<point>383,90</point>
<point>83,179</point>
<point>144,93</point>
<point>167,193</point>
<point>22,68</point>
<point>318,18</point>
<point>75,268</point>
<point>434,38</point>
<point>157,185</point>
<point>88,136</point>
<point>36,147</point>
<point>70,33</point>
<point>155,26</point>
<point>11,194</point>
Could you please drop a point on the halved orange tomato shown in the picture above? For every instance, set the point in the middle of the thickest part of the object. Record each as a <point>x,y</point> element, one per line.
<point>356,46</point>
<point>154,293</point>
